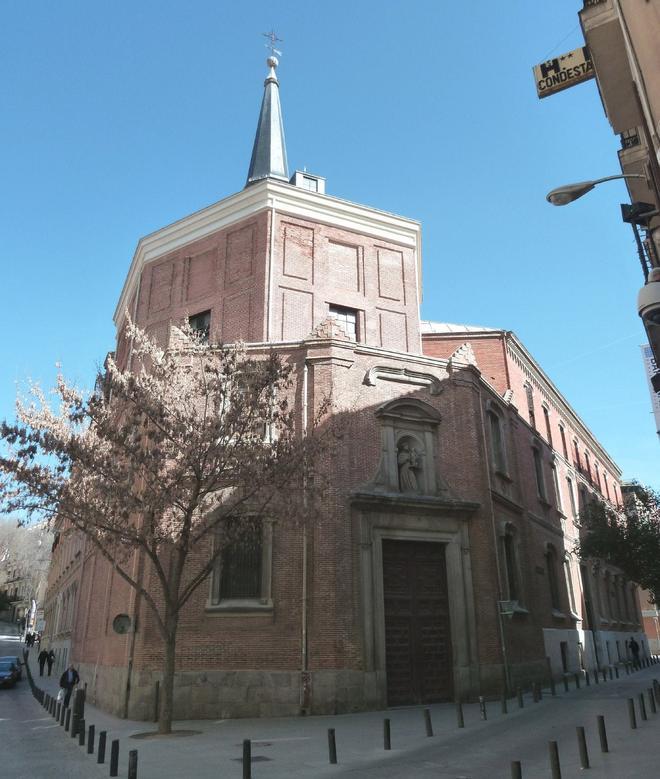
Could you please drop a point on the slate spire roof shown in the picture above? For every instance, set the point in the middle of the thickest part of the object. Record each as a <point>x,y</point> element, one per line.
<point>269,150</point>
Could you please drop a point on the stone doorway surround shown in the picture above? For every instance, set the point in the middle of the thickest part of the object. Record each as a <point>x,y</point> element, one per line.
<point>417,518</point>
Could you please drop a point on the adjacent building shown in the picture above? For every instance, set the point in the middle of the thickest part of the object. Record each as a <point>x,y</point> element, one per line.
<point>622,37</point>
<point>442,564</point>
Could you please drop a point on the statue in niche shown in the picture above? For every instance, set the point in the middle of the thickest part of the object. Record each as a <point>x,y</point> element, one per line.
<point>409,461</point>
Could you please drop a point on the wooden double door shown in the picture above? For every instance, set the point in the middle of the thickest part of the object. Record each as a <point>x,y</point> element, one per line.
<point>417,625</point>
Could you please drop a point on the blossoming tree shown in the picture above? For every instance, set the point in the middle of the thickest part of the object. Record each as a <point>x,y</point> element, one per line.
<point>167,461</point>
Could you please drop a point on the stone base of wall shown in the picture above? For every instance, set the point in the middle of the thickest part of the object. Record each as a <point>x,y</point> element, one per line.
<point>233,694</point>
<point>236,694</point>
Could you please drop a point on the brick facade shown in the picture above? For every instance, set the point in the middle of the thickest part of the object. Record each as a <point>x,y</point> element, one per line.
<point>270,263</point>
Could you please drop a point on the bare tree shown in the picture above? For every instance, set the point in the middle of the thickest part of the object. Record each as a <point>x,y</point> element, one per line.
<point>172,460</point>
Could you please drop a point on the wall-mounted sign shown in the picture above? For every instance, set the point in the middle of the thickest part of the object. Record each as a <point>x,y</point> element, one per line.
<point>652,370</point>
<point>565,71</point>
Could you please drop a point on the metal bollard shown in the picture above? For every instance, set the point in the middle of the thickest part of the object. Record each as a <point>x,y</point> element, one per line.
<point>553,751</point>
<point>631,714</point>
<point>616,671</point>
<point>114,757</point>
<point>516,769</point>
<point>427,722</point>
<point>387,740</point>
<point>652,701</point>
<point>247,760</point>
<point>596,675</point>
<point>642,706</point>
<point>565,682</point>
<point>582,747</point>
<point>577,681</point>
<point>539,691</point>
<point>602,734</point>
<point>459,714</point>
<point>604,675</point>
<point>332,746</point>
<point>90,740</point>
<point>625,665</point>
<point>656,687</point>
<point>505,708</point>
<point>81,733</point>
<point>74,725</point>
<point>482,708</point>
<point>101,754</point>
<point>60,713</point>
<point>521,702</point>
<point>553,691</point>
<point>67,720</point>
<point>132,764</point>
<point>587,681</point>
<point>611,673</point>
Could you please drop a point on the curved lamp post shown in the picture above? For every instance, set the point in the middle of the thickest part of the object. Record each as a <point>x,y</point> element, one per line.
<point>567,194</point>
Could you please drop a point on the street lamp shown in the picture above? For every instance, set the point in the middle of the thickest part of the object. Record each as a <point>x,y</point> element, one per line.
<point>567,194</point>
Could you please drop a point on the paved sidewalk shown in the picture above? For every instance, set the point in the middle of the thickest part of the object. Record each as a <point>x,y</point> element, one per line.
<point>298,747</point>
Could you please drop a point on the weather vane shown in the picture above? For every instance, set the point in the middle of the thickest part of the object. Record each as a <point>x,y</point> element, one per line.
<point>273,39</point>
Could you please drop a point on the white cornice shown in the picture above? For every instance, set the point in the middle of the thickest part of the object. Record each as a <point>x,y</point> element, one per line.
<point>255,198</point>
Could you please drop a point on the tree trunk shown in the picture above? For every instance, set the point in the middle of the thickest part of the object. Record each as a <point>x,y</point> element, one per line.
<point>167,688</point>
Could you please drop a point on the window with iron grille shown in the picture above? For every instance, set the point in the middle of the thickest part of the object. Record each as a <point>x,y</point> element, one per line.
<point>241,576</point>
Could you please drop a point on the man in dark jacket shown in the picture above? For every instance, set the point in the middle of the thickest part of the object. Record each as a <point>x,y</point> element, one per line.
<point>68,681</point>
<point>50,659</point>
<point>41,658</point>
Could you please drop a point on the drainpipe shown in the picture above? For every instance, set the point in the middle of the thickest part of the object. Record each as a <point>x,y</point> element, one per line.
<point>496,548</point>
<point>131,647</point>
<point>304,687</point>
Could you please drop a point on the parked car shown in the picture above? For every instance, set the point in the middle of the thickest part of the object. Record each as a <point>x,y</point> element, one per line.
<point>8,674</point>
<point>16,660</point>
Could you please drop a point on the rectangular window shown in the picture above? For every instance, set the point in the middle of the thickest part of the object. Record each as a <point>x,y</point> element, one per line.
<point>530,404</point>
<point>201,324</point>
<point>571,495</point>
<point>562,433</point>
<point>241,566</point>
<point>551,564</point>
<point>510,560</point>
<point>578,464</point>
<point>346,318</point>
<point>569,584</point>
<point>607,486</point>
<point>555,481</point>
<point>241,576</point>
<point>497,442</point>
<point>538,472</point>
<point>548,431</point>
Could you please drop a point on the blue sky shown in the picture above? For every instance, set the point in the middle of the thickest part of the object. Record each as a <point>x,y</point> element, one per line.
<point>118,118</point>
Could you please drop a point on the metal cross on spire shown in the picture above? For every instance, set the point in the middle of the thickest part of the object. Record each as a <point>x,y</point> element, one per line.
<point>273,39</point>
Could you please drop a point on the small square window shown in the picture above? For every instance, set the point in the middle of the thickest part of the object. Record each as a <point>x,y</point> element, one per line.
<point>346,318</point>
<point>201,324</point>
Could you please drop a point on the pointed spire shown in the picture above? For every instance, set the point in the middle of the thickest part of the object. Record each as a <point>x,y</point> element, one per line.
<point>269,150</point>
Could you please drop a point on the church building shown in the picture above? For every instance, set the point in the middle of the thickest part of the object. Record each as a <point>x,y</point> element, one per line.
<point>444,566</point>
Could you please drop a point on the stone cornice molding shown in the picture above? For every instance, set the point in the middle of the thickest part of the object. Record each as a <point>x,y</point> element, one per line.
<point>403,376</point>
<point>379,501</point>
<point>281,197</point>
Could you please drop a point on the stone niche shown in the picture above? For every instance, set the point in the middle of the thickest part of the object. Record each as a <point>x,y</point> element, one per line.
<point>408,432</point>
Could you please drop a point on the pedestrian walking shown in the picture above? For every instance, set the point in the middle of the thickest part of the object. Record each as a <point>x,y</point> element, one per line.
<point>634,648</point>
<point>50,659</point>
<point>41,659</point>
<point>68,681</point>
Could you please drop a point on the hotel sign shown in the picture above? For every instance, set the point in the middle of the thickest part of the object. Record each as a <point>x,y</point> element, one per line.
<point>565,71</point>
<point>651,369</point>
